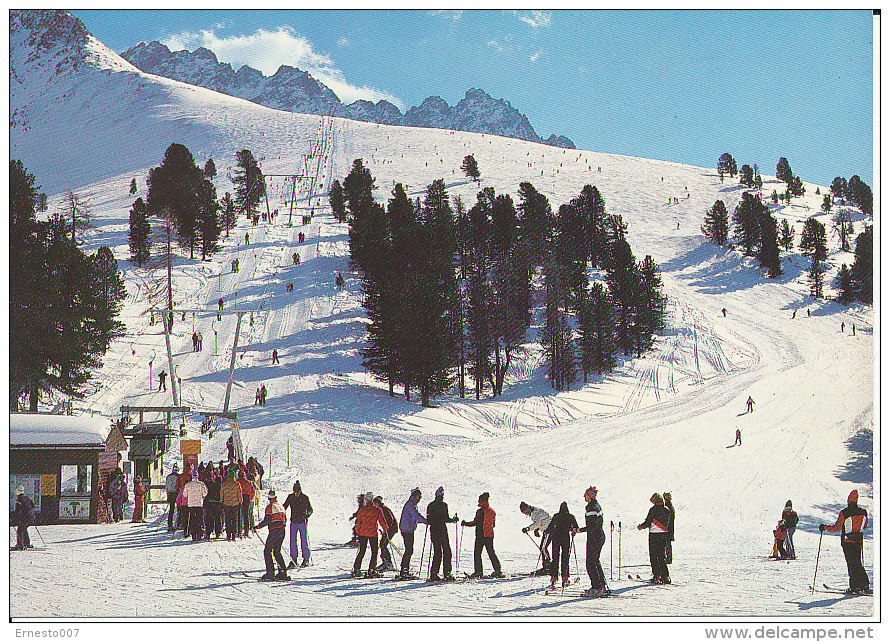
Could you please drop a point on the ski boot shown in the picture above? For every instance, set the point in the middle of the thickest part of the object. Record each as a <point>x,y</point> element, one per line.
<point>282,575</point>
<point>372,573</point>
<point>292,564</point>
<point>434,578</point>
<point>565,582</point>
<point>304,564</point>
<point>356,573</point>
<point>474,576</point>
<point>407,576</point>
<point>498,575</point>
<point>267,577</point>
<point>449,578</point>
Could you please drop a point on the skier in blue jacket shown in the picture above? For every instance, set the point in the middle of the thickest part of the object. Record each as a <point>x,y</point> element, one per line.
<point>408,522</point>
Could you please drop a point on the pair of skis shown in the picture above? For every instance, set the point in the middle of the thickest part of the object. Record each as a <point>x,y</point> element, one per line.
<point>830,589</point>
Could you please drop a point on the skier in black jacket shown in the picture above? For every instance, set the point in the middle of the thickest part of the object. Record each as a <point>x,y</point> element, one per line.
<point>668,546</point>
<point>300,510</point>
<point>562,529</point>
<point>851,521</point>
<point>392,527</point>
<point>657,521</point>
<point>596,538</point>
<point>22,516</point>
<point>437,517</point>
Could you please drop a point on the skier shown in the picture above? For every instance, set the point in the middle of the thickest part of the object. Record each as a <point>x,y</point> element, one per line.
<point>851,522</point>
<point>117,489</point>
<point>794,314</point>
<point>200,341</point>
<point>657,521</point>
<point>194,341</point>
<point>562,529</point>
<point>212,504</point>
<point>300,510</point>
<point>230,494</point>
<point>22,516</point>
<point>339,281</point>
<point>780,534</point>
<point>540,522</point>
<point>668,546</point>
<point>220,302</point>
<point>274,519</point>
<point>368,518</point>
<point>596,538</point>
<point>484,523</point>
<point>194,492</point>
<point>162,376</point>
<point>842,327</point>
<point>808,312</point>
<point>274,356</point>
<point>750,404</point>
<point>738,437</point>
<point>247,493</point>
<point>854,329</point>
<point>437,518</point>
<point>392,527</point>
<point>724,312</point>
<point>408,525</point>
<point>170,487</point>
<point>139,499</point>
<point>247,237</point>
<point>230,446</point>
<point>296,258</point>
<point>789,516</point>
<point>255,468</point>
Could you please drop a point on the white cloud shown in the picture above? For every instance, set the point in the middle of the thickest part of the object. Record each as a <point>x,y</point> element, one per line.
<point>448,14</point>
<point>535,19</point>
<point>534,57</point>
<point>268,50</point>
<point>343,42</point>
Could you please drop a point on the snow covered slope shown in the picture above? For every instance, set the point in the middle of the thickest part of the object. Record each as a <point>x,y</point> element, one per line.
<point>663,422</point>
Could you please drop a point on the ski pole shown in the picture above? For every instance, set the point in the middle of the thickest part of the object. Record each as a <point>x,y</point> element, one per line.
<point>619,549</point>
<point>456,546</point>
<point>41,535</point>
<point>422,550</point>
<point>611,567</point>
<point>540,550</point>
<point>575,553</point>
<point>817,560</point>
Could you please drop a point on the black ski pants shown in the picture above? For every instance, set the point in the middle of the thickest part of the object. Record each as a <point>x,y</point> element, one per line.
<point>441,552</point>
<point>488,544</point>
<point>233,518</point>
<point>594,568</point>
<point>196,522</point>
<point>273,547</point>
<point>853,555</point>
<point>657,543</point>
<point>385,556</point>
<point>362,547</point>
<point>171,510</point>
<point>562,548</point>
<point>212,518</point>
<point>408,538</point>
<point>23,540</point>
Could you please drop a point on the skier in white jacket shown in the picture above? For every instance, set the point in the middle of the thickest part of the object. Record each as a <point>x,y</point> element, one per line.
<point>540,522</point>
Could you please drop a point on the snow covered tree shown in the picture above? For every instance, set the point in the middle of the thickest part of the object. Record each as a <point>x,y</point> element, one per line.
<point>786,235</point>
<point>845,286</point>
<point>78,212</point>
<point>140,233</point>
<point>726,165</point>
<point>470,168</point>
<point>716,225</point>
<point>783,170</point>
<point>863,266</point>
<point>337,201</point>
<point>815,278</point>
<point>746,176</point>
<point>228,213</point>
<point>174,187</point>
<point>210,169</point>
<point>812,239</point>
<point>250,186</point>
<point>133,188</point>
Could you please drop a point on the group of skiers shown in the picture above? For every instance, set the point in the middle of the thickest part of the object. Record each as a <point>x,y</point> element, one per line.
<point>261,394</point>
<point>197,342</point>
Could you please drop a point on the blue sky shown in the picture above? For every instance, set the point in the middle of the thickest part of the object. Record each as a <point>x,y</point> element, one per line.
<point>682,86</point>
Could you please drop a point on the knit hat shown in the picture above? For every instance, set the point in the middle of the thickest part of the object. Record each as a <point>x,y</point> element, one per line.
<point>656,499</point>
<point>369,496</point>
<point>484,497</point>
<point>272,494</point>
<point>297,486</point>
<point>523,507</point>
<point>788,504</point>
<point>853,497</point>
<point>20,490</point>
<point>416,491</point>
<point>440,492</point>
<point>590,493</point>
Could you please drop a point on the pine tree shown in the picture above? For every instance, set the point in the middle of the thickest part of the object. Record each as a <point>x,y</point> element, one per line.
<point>622,279</point>
<point>716,225</point>
<point>783,170</point>
<point>726,165</point>
<point>569,255</point>
<point>746,176</point>
<point>133,188</point>
<point>250,186</point>
<point>651,304</point>
<point>839,187</point>
<point>768,249</point>
<point>536,222</point>
<point>786,235</point>
<point>745,219</point>
<point>109,295</point>
<point>815,278</point>
<point>796,186</point>
<point>775,197</point>
<point>812,240</point>
<point>844,227</point>
<point>208,225</point>
<point>140,233</point>
<point>174,187</point>
<point>470,168</point>
<point>337,201</point>
<point>555,336</point>
<point>826,203</point>
<point>592,213</point>
<point>863,266</point>
<point>845,285</point>
<point>78,212</point>
<point>367,222</point>
<point>210,169</point>
<point>603,329</point>
<point>228,214</point>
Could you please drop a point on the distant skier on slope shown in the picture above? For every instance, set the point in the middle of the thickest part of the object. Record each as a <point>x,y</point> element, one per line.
<point>750,404</point>
<point>851,521</point>
<point>162,377</point>
<point>540,522</point>
<point>339,281</point>
<point>408,525</point>
<point>484,523</point>
<point>562,529</point>
<point>274,519</point>
<point>738,437</point>
<point>596,538</point>
<point>657,521</point>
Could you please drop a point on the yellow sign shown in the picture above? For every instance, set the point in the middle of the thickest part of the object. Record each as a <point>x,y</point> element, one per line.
<point>190,446</point>
<point>48,485</point>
